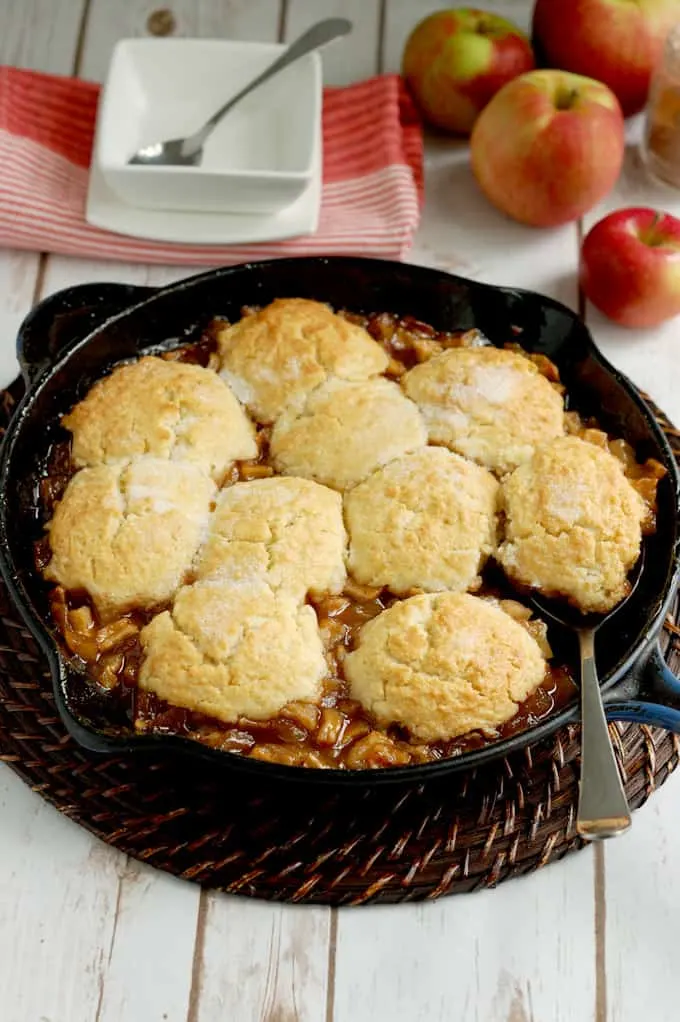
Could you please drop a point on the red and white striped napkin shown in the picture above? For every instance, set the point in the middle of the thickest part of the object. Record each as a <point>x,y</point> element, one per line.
<point>372,175</point>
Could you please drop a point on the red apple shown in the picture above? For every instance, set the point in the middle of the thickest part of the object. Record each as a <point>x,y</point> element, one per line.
<point>619,42</point>
<point>456,60</point>
<point>548,147</point>
<point>630,267</point>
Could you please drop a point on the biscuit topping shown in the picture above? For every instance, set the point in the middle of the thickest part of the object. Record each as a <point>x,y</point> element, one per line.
<point>165,409</point>
<point>128,533</point>
<point>573,524</point>
<point>275,357</point>
<point>488,404</point>
<point>233,650</point>
<point>443,664</point>
<point>288,532</point>
<point>425,520</point>
<point>345,431</point>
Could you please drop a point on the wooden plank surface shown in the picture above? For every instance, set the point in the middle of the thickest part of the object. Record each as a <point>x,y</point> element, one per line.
<point>147,972</point>
<point>262,962</point>
<point>41,34</point>
<point>109,21</point>
<point>355,57</point>
<point>18,277</point>
<point>58,892</point>
<point>522,953</point>
<point>87,935</point>
<point>642,911</point>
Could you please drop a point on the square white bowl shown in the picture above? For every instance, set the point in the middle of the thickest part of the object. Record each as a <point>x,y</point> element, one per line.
<point>260,159</point>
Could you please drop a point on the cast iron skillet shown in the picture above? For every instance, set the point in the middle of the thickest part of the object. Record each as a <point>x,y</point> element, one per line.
<point>71,338</point>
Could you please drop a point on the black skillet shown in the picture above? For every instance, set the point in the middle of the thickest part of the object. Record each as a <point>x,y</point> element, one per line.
<point>70,339</point>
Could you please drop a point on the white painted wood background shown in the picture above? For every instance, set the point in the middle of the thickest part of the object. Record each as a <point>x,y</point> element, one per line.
<point>87,935</point>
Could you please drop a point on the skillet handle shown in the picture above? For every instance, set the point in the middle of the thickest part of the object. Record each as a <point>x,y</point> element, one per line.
<point>66,317</point>
<point>658,701</point>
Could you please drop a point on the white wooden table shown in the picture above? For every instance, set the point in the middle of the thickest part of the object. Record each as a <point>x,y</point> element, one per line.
<point>87,935</point>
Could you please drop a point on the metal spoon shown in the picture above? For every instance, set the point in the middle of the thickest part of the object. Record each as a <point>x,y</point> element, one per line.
<point>603,809</point>
<point>188,151</point>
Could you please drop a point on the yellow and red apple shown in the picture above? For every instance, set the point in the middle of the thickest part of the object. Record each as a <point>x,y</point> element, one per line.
<point>619,42</point>
<point>630,267</point>
<point>548,147</point>
<point>456,60</point>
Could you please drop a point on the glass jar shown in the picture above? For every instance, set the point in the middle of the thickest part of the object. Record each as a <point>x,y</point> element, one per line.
<point>661,147</point>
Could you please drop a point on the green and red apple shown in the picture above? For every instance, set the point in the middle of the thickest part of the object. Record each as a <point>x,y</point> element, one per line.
<point>619,42</point>
<point>548,147</point>
<point>630,267</point>
<point>456,60</point>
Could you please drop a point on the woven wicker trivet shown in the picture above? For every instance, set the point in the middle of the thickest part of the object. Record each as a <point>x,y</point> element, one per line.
<point>304,844</point>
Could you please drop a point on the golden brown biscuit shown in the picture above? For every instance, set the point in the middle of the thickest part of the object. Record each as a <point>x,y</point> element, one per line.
<point>490,405</point>
<point>443,664</point>
<point>287,532</point>
<point>233,650</point>
<point>127,533</point>
<point>273,358</point>
<point>166,409</point>
<point>426,520</point>
<point>573,524</point>
<point>345,431</point>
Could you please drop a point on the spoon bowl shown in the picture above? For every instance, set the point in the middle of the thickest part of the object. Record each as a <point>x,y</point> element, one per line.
<point>170,153</point>
<point>568,616</point>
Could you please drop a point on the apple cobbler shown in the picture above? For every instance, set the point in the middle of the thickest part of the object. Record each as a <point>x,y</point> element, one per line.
<point>305,537</point>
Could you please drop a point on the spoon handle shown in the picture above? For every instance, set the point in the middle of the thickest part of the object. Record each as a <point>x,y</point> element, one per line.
<point>602,806</point>
<point>318,35</point>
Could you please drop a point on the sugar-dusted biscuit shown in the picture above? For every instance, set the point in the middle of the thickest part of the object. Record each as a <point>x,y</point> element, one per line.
<point>127,533</point>
<point>274,357</point>
<point>425,520</point>
<point>233,650</point>
<point>572,524</point>
<point>443,664</point>
<point>488,404</point>
<point>345,431</point>
<point>287,532</point>
<point>166,409</point>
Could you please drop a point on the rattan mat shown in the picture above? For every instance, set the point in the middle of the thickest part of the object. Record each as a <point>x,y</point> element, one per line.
<point>306,844</point>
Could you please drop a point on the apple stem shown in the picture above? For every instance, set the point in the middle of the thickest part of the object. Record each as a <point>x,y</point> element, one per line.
<point>565,99</point>
<point>650,237</point>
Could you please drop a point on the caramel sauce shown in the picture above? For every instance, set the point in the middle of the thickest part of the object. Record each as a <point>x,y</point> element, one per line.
<point>336,732</point>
